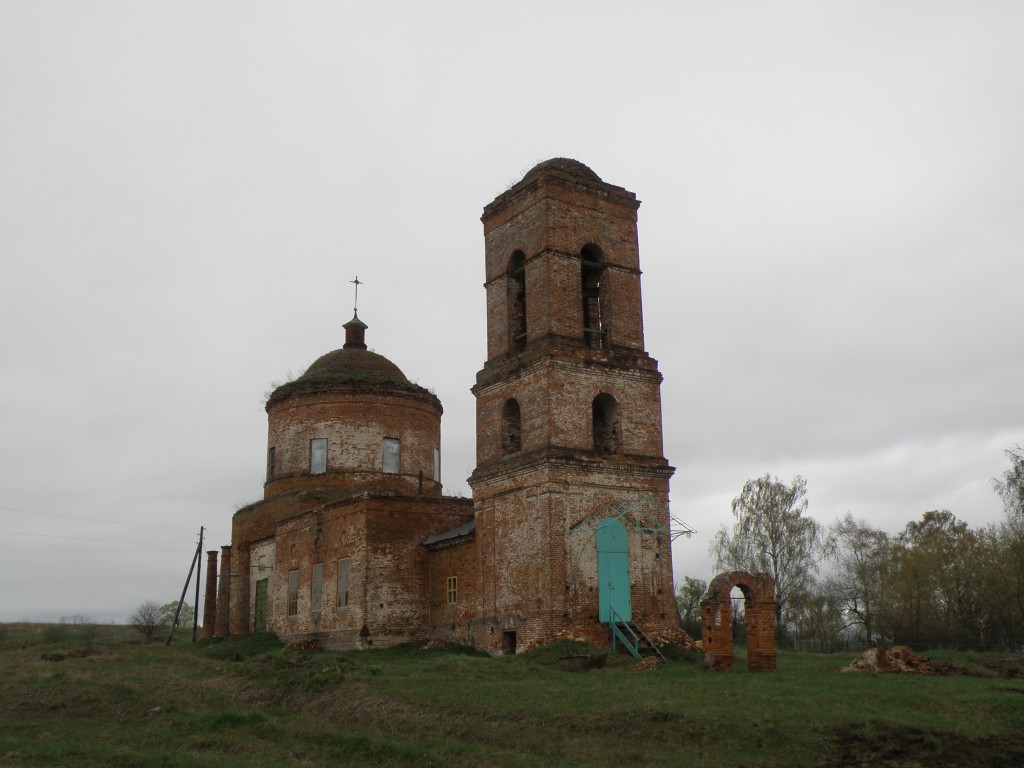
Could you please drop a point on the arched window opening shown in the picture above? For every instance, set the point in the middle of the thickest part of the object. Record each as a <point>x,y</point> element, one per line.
<point>607,428</point>
<point>592,273</point>
<point>517,301</point>
<point>511,427</point>
<point>738,618</point>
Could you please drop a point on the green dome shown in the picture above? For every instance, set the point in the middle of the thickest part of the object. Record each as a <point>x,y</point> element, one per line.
<point>348,368</point>
<point>354,365</point>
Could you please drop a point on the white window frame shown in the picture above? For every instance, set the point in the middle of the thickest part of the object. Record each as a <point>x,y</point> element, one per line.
<point>391,456</point>
<point>318,456</point>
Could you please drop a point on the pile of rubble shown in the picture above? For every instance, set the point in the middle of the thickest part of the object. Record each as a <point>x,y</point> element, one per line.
<point>899,659</point>
<point>676,636</point>
<point>651,662</point>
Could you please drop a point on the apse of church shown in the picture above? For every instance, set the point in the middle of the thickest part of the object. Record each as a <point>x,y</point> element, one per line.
<point>355,544</point>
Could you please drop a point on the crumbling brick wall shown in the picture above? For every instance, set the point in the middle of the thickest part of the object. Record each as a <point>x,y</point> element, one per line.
<point>759,614</point>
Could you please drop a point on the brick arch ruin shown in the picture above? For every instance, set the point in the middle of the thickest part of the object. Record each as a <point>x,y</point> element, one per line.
<point>759,610</point>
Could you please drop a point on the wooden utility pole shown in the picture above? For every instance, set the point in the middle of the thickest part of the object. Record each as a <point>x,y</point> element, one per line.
<point>184,590</point>
<point>199,577</point>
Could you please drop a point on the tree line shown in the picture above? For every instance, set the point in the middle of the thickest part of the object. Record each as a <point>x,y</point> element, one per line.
<point>936,582</point>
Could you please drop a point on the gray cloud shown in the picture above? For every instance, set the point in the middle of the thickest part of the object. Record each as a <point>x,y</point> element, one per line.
<point>829,234</point>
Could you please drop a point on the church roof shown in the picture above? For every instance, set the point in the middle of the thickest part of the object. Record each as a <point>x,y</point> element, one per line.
<point>354,365</point>
<point>463,530</point>
<point>344,369</point>
<point>566,164</point>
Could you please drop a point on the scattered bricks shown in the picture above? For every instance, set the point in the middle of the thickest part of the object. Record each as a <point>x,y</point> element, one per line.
<point>651,662</point>
<point>900,660</point>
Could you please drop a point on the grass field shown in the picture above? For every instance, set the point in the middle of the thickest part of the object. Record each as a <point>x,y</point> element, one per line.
<point>79,696</point>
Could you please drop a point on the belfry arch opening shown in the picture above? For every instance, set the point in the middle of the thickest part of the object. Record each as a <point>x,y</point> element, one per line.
<point>594,290</point>
<point>607,427</point>
<point>511,427</point>
<point>517,301</point>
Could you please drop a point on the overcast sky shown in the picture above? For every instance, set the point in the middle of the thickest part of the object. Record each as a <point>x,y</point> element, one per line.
<point>830,236</point>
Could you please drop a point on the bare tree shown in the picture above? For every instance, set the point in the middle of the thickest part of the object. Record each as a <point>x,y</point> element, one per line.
<point>1011,533</point>
<point>772,535</point>
<point>1011,487</point>
<point>862,556</point>
<point>148,618</point>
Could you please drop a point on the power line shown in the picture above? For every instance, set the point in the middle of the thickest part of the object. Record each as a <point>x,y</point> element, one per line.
<point>96,520</point>
<point>82,538</point>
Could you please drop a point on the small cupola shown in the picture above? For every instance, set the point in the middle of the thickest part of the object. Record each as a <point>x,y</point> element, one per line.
<point>355,333</point>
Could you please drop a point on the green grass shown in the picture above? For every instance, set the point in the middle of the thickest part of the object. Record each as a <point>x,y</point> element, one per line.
<point>80,696</point>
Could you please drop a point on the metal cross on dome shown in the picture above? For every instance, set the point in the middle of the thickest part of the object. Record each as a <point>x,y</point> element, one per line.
<point>357,283</point>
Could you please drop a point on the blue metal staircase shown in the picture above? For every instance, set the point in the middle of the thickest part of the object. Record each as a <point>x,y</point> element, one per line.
<point>632,638</point>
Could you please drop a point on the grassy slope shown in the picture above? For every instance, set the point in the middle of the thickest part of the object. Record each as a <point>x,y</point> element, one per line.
<point>251,703</point>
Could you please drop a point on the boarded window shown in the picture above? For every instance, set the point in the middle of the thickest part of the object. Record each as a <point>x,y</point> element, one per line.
<point>293,593</point>
<point>391,455</point>
<point>317,596</point>
<point>271,463</point>
<point>453,590</point>
<point>437,466</point>
<point>343,582</point>
<point>318,456</point>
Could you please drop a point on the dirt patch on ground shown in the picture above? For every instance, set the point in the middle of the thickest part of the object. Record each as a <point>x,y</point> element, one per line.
<point>885,746</point>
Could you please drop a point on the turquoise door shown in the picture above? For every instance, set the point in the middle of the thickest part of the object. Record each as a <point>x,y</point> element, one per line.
<point>613,571</point>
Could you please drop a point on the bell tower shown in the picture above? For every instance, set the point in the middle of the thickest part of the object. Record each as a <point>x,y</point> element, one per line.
<point>568,414</point>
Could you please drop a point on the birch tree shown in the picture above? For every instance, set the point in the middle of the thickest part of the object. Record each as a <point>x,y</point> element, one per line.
<point>772,535</point>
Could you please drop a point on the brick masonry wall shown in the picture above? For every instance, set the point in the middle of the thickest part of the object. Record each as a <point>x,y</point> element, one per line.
<point>537,509</point>
<point>355,424</point>
<point>555,399</point>
<point>759,615</point>
<point>537,551</point>
<point>453,622</point>
<point>550,220</point>
<point>382,538</point>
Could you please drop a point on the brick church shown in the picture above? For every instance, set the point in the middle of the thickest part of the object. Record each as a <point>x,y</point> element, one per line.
<point>355,544</point>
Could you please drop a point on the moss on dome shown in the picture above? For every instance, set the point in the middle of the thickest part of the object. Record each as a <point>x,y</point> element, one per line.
<point>345,369</point>
<point>566,164</point>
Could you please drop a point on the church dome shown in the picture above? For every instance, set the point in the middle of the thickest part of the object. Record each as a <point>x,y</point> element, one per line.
<point>354,365</point>
<point>565,164</point>
<point>345,368</point>
<point>353,422</point>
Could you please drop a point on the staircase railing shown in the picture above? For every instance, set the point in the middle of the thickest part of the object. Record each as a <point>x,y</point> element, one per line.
<point>632,643</point>
<point>630,635</point>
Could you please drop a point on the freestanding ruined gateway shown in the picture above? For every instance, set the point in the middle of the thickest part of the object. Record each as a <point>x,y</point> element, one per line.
<point>567,534</point>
